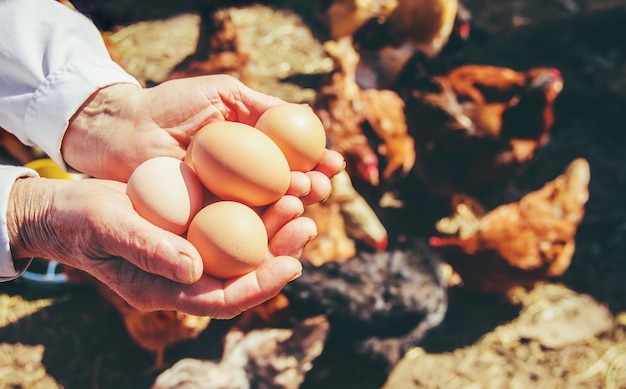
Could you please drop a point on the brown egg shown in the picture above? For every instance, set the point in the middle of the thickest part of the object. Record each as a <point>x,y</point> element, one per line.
<point>230,237</point>
<point>237,162</point>
<point>166,192</point>
<point>297,131</point>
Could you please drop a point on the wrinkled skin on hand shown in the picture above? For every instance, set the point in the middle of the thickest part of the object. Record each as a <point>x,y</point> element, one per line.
<point>123,125</point>
<point>91,224</point>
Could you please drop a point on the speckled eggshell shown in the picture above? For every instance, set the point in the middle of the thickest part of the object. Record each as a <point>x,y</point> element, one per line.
<point>297,131</point>
<point>230,237</point>
<point>166,192</point>
<point>237,162</point>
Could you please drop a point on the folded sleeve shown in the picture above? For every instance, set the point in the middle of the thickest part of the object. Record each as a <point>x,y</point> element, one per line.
<point>51,60</point>
<point>10,269</point>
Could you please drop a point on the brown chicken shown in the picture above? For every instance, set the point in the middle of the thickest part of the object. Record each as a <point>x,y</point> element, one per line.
<point>414,26</point>
<point>154,331</point>
<point>363,125</point>
<point>345,17</point>
<point>384,112</point>
<point>338,105</point>
<point>478,123</point>
<point>268,358</point>
<point>219,49</point>
<point>341,220</point>
<point>517,244</point>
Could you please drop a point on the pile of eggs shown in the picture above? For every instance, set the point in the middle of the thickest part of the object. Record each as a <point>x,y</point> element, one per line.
<point>230,167</point>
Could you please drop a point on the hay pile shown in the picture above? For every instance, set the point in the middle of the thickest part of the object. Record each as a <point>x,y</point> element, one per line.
<point>560,339</point>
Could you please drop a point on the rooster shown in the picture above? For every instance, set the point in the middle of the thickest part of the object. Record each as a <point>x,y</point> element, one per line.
<point>478,123</point>
<point>517,244</point>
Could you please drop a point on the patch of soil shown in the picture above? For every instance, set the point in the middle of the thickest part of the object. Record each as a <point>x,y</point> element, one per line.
<point>85,344</point>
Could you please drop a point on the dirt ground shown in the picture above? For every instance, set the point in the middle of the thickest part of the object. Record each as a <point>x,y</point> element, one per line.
<point>70,339</point>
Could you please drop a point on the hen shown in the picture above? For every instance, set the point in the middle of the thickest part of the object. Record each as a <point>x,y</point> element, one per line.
<point>478,123</point>
<point>268,358</point>
<point>363,125</point>
<point>414,26</point>
<point>338,105</point>
<point>384,112</point>
<point>154,331</point>
<point>345,17</point>
<point>219,49</point>
<point>378,304</point>
<point>517,244</point>
<point>344,218</point>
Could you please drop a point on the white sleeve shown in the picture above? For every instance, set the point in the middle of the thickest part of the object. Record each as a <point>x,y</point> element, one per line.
<point>51,60</point>
<point>8,175</point>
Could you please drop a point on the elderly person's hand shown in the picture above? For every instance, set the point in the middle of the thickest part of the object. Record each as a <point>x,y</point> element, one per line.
<point>91,225</point>
<point>122,125</point>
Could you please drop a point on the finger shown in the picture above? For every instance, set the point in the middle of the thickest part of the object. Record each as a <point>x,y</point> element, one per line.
<point>331,163</point>
<point>292,237</point>
<point>156,251</point>
<point>321,188</point>
<point>210,296</point>
<point>207,297</point>
<point>300,184</point>
<point>276,215</point>
<point>260,285</point>
<point>246,104</point>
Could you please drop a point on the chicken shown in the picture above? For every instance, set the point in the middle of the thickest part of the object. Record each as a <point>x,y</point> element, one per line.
<point>219,49</point>
<point>338,105</point>
<point>378,304</point>
<point>363,125</point>
<point>461,30</point>
<point>345,217</point>
<point>154,331</point>
<point>268,358</point>
<point>345,17</point>
<point>478,123</point>
<point>384,112</point>
<point>414,26</point>
<point>518,244</point>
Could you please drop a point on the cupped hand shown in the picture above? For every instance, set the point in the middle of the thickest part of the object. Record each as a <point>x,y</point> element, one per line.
<point>122,125</point>
<point>91,225</point>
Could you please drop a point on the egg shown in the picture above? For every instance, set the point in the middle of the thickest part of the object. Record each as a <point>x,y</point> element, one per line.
<point>230,237</point>
<point>297,131</point>
<point>237,162</point>
<point>166,192</point>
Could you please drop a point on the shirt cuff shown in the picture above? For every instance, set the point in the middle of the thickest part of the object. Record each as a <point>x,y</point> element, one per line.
<point>10,270</point>
<point>58,98</point>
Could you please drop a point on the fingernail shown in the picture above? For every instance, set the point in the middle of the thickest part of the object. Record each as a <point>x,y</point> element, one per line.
<point>295,276</point>
<point>185,270</point>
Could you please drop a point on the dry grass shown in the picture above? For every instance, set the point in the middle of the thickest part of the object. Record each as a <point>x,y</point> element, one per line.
<point>507,358</point>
